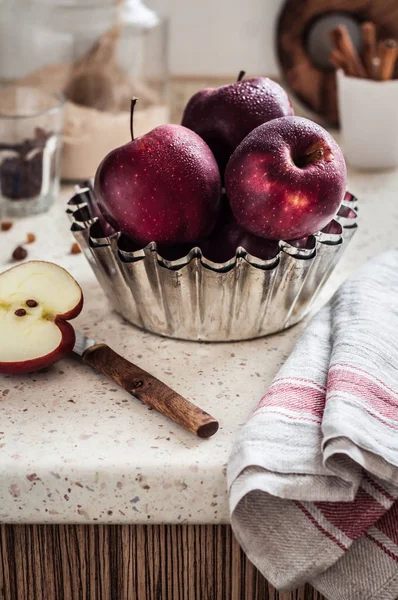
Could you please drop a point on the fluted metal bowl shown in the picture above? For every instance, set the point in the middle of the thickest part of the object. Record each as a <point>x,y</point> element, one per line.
<point>194,298</point>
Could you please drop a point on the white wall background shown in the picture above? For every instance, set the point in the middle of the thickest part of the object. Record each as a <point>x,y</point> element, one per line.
<point>220,37</point>
<point>205,38</point>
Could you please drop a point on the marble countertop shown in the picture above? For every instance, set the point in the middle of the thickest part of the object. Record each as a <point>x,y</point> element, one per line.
<point>75,448</point>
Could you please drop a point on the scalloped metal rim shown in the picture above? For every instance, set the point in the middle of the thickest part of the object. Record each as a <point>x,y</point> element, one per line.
<point>74,208</point>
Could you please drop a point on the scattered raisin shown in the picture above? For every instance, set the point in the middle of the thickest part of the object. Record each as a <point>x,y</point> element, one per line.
<point>19,253</point>
<point>21,312</point>
<point>30,238</point>
<point>6,225</point>
<point>75,248</point>
<point>40,132</point>
<point>31,303</point>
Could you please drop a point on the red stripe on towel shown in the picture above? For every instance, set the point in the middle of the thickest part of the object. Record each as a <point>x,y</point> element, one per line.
<point>389,524</point>
<point>386,550</point>
<point>352,518</point>
<point>360,386</point>
<point>313,520</point>
<point>378,487</point>
<point>301,379</point>
<point>355,368</point>
<point>297,397</point>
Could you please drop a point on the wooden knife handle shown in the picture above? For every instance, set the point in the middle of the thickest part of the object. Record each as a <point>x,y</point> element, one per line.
<point>150,390</point>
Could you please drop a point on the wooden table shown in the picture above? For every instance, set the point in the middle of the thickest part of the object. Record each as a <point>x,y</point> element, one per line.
<point>127,562</point>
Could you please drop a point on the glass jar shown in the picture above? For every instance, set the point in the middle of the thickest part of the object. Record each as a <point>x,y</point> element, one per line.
<point>37,33</point>
<point>31,122</point>
<point>99,53</point>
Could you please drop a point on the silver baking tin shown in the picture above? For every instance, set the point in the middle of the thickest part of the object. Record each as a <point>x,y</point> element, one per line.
<point>193,298</point>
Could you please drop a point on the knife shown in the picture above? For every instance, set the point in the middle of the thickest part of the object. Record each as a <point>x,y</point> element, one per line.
<point>145,387</point>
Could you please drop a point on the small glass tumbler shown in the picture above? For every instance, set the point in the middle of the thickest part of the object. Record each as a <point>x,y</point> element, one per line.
<point>31,123</point>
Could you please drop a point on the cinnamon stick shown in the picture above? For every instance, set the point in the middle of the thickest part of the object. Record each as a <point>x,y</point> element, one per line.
<point>388,57</point>
<point>150,390</point>
<point>342,41</point>
<point>337,59</point>
<point>369,51</point>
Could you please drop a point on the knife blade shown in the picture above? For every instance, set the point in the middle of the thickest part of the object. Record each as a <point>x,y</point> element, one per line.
<point>145,387</point>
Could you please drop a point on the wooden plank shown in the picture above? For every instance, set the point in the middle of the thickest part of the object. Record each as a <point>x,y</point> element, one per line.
<point>112,562</point>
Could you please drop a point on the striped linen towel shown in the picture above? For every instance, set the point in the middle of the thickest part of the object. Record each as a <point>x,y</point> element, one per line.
<point>313,475</point>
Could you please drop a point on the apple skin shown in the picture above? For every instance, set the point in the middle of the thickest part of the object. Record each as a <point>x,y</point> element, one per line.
<point>224,116</point>
<point>71,314</point>
<point>106,228</point>
<point>222,245</point>
<point>162,187</point>
<point>176,252</point>
<point>270,195</point>
<point>68,336</point>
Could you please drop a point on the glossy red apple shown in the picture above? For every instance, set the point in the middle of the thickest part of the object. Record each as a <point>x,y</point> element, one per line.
<point>175,252</point>
<point>36,301</point>
<point>161,187</point>
<point>224,116</point>
<point>221,246</point>
<point>105,229</point>
<point>286,180</point>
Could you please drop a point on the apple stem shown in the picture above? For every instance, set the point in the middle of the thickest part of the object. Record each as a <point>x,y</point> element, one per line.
<point>312,156</point>
<point>132,105</point>
<point>241,75</point>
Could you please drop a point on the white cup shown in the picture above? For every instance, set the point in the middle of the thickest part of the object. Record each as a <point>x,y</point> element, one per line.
<point>369,121</point>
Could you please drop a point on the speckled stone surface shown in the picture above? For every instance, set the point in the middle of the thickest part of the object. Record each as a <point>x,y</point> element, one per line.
<point>75,448</point>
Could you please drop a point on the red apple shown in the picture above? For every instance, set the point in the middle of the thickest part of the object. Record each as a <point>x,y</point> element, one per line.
<point>228,236</point>
<point>221,246</point>
<point>286,180</point>
<point>105,230</point>
<point>224,116</point>
<point>161,187</point>
<point>175,252</point>
<point>36,301</point>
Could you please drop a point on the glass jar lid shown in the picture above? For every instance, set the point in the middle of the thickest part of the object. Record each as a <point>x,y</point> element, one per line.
<point>134,12</point>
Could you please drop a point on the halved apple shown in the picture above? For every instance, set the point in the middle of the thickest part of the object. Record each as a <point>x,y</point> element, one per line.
<point>36,300</point>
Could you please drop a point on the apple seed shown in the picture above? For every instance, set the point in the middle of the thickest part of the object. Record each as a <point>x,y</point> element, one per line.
<point>30,238</point>
<point>21,312</point>
<point>31,303</point>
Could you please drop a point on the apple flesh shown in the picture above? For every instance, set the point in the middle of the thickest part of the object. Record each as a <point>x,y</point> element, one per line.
<point>224,116</point>
<point>286,180</point>
<point>161,187</point>
<point>37,299</point>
